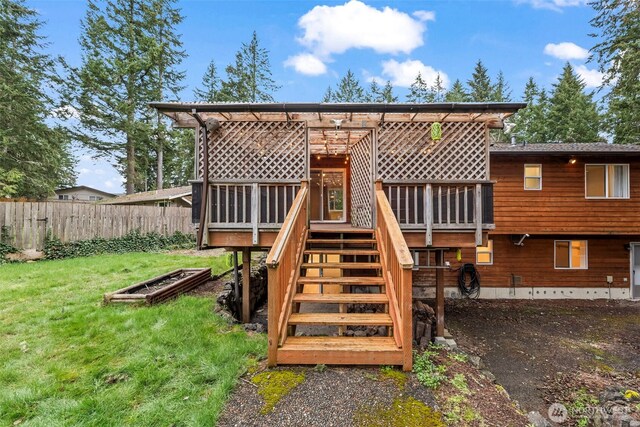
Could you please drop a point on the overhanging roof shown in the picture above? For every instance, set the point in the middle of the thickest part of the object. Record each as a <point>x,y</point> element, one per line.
<point>354,115</point>
<point>565,148</point>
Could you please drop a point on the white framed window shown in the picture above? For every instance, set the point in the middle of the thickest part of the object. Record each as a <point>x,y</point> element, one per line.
<point>484,254</point>
<point>63,197</point>
<point>571,255</point>
<point>533,177</point>
<point>606,181</point>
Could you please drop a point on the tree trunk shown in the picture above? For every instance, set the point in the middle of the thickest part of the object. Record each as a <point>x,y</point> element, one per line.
<point>131,165</point>
<point>159,175</point>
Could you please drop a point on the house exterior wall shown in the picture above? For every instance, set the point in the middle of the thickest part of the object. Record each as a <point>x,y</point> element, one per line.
<point>561,205</point>
<point>83,195</point>
<point>559,211</point>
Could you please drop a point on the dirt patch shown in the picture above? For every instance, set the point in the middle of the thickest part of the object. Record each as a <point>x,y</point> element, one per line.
<point>154,286</point>
<point>203,253</point>
<point>212,288</point>
<point>530,346</point>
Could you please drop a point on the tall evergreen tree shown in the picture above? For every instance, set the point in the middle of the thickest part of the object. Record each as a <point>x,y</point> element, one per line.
<point>457,93</point>
<point>573,115</point>
<point>374,92</point>
<point>34,156</point>
<point>166,80</point>
<point>387,95</point>
<point>501,90</point>
<point>129,50</point>
<point>531,122</point>
<point>249,79</point>
<point>438,90</point>
<point>210,91</point>
<point>480,87</point>
<point>618,53</point>
<point>328,95</point>
<point>380,95</point>
<point>419,91</point>
<point>349,89</point>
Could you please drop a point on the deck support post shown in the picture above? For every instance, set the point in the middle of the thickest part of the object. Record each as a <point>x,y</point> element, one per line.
<point>478,212</point>
<point>439,294</point>
<point>236,281</point>
<point>246,285</point>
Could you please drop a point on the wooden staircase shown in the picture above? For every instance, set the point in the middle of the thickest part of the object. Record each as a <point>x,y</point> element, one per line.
<point>317,276</point>
<point>341,268</point>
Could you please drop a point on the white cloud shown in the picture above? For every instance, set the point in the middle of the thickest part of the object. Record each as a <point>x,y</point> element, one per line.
<point>83,171</point>
<point>108,183</point>
<point>425,15</point>
<point>306,63</point>
<point>566,51</point>
<point>332,30</point>
<point>592,78</point>
<point>404,73</point>
<point>556,5</point>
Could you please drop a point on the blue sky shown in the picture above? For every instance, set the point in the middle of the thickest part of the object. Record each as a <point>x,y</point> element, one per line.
<point>313,43</point>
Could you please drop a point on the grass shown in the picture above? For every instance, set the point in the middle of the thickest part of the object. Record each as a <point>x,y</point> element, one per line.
<point>67,360</point>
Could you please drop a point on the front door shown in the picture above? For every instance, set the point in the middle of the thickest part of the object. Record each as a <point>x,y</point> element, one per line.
<point>327,195</point>
<point>635,270</point>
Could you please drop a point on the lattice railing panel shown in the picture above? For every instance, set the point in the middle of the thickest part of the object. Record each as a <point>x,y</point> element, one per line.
<point>405,152</point>
<point>362,183</point>
<point>256,152</point>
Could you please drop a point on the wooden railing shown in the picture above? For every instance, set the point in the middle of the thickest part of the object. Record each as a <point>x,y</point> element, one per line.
<point>442,206</point>
<point>251,206</point>
<point>283,264</point>
<point>397,265</point>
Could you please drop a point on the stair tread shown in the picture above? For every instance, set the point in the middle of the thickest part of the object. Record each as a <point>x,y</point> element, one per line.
<point>342,298</point>
<point>343,265</point>
<point>341,241</point>
<point>343,280</point>
<point>341,230</point>
<point>366,319</point>
<point>340,343</point>
<point>342,251</point>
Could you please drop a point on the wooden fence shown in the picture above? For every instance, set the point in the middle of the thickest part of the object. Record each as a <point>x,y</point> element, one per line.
<point>24,224</point>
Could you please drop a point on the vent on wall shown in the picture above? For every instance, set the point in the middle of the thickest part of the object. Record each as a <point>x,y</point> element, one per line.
<point>516,280</point>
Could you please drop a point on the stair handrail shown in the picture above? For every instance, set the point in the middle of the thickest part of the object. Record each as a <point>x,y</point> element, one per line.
<point>282,262</point>
<point>397,264</point>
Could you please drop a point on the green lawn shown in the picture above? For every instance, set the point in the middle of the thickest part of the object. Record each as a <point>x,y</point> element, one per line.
<point>65,359</point>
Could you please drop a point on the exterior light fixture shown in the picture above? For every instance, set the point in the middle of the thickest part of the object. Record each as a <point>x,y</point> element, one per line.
<point>572,161</point>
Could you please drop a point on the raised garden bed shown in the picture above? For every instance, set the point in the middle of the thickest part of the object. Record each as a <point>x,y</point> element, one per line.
<point>161,288</point>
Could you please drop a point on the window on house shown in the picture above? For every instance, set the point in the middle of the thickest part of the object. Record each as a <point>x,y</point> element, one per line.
<point>484,254</point>
<point>93,198</point>
<point>571,254</point>
<point>607,181</point>
<point>63,197</point>
<point>533,177</point>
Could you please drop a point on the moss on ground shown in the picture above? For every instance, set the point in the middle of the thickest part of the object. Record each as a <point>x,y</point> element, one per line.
<point>274,385</point>
<point>404,412</point>
<point>398,377</point>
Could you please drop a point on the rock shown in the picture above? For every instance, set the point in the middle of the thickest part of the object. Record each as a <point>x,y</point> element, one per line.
<point>349,333</point>
<point>537,420</point>
<point>382,331</point>
<point>611,394</point>
<point>424,342</point>
<point>420,329</point>
<point>254,327</point>
<point>359,334</point>
<point>476,361</point>
<point>489,375</point>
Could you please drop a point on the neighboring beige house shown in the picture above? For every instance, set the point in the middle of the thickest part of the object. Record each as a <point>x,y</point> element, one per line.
<point>178,196</point>
<point>81,193</point>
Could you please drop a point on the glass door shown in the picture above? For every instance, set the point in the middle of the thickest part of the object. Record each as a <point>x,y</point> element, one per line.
<point>635,270</point>
<point>327,195</point>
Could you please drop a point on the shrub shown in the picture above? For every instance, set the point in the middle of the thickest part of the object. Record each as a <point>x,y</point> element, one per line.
<point>131,242</point>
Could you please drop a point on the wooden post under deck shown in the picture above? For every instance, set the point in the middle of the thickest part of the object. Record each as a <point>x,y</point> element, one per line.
<point>246,285</point>
<point>439,294</point>
<point>236,281</point>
